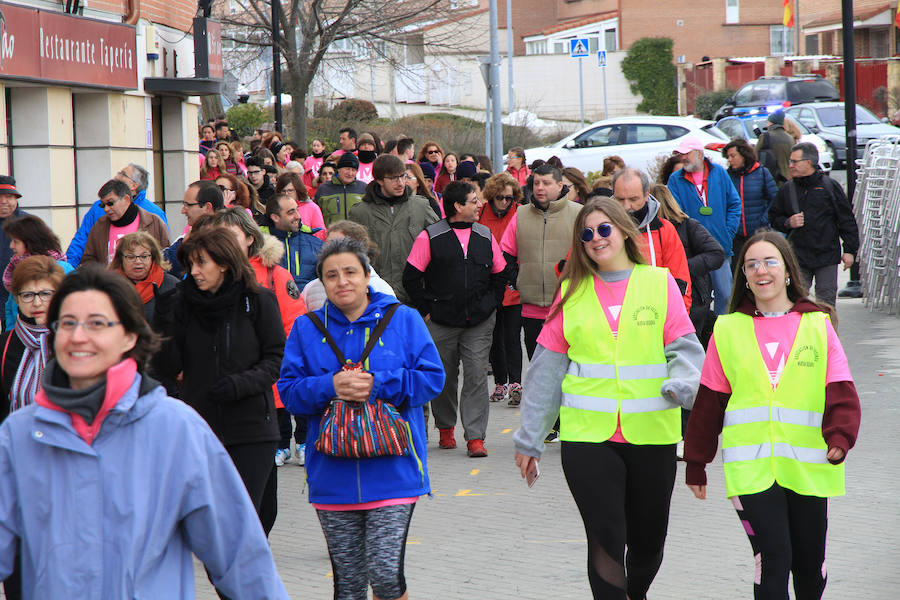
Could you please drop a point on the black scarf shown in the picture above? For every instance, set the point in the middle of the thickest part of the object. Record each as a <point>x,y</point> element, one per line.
<point>128,218</point>
<point>638,215</point>
<point>86,403</point>
<point>500,213</point>
<point>318,154</point>
<point>210,309</point>
<point>366,156</point>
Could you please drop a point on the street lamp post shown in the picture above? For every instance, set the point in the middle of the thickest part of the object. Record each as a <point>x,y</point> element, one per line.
<point>276,65</point>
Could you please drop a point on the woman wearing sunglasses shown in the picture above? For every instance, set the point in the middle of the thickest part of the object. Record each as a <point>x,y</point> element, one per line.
<point>502,194</point>
<point>776,385</point>
<point>617,359</point>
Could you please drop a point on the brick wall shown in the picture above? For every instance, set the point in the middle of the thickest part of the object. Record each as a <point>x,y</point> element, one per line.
<point>174,13</point>
<point>703,31</point>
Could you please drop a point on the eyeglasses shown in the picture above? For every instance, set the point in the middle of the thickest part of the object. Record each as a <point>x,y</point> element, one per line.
<point>109,204</point>
<point>225,188</point>
<point>395,178</point>
<point>766,264</point>
<point>90,326</point>
<point>127,176</point>
<point>408,177</point>
<point>136,257</point>
<point>190,204</point>
<point>433,152</point>
<point>604,230</point>
<point>255,172</point>
<point>799,160</point>
<point>505,198</point>
<point>29,297</point>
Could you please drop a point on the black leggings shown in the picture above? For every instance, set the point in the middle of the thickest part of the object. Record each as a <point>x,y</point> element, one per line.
<point>284,428</point>
<point>787,533</point>
<point>623,493</point>
<point>532,329</point>
<point>506,349</point>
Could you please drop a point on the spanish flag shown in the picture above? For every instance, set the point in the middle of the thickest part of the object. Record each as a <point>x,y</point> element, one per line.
<point>788,20</point>
<point>897,18</point>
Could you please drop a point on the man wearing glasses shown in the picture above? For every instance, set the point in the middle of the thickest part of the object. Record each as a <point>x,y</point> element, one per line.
<point>256,174</point>
<point>200,198</point>
<point>813,211</point>
<point>122,217</point>
<point>394,217</point>
<point>136,178</point>
<point>456,276</point>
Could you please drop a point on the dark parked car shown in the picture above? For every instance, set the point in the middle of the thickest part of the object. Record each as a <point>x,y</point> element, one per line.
<point>755,96</point>
<point>826,119</point>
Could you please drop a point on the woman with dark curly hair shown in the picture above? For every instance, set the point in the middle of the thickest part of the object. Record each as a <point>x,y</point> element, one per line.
<point>756,187</point>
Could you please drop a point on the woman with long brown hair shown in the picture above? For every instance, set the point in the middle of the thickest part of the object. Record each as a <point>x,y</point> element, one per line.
<point>617,359</point>
<point>578,187</point>
<point>776,385</point>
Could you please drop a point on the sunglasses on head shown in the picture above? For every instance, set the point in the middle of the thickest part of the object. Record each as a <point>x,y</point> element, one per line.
<point>603,230</point>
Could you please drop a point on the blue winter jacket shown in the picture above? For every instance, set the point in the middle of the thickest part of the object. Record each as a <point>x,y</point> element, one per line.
<point>407,372</point>
<point>721,197</point>
<point>119,518</point>
<point>756,188</point>
<point>76,247</point>
<point>301,252</point>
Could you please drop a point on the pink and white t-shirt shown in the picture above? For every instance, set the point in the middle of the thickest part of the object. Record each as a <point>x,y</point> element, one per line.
<point>420,254</point>
<point>117,233</point>
<point>775,337</point>
<point>364,173</point>
<point>611,296</point>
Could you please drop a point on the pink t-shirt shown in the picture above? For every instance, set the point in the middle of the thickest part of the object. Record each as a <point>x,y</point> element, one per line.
<point>365,505</point>
<point>117,233</point>
<point>611,296</point>
<point>364,173</point>
<point>420,255</point>
<point>775,337</point>
<point>510,244</point>
<point>311,215</point>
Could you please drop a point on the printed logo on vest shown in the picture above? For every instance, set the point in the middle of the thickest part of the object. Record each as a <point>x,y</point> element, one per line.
<point>645,316</point>
<point>806,356</point>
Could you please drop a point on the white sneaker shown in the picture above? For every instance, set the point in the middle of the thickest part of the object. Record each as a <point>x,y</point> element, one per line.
<point>300,453</point>
<point>282,455</point>
<point>679,450</point>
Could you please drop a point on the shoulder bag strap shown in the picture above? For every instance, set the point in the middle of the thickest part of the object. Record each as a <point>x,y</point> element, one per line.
<point>379,330</point>
<point>321,327</point>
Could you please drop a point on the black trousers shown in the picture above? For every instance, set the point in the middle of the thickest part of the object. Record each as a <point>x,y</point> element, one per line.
<point>532,329</point>
<point>506,349</point>
<point>787,533</point>
<point>623,492</point>
<point>284,428</point>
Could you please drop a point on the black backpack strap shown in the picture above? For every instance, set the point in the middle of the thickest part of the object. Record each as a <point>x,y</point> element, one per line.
<point>321,327</point>
<point>378,331</point>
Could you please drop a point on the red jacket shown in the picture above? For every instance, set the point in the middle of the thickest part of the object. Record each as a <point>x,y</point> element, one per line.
<point>667,251</point>
<point>442,180</point>
<point>521,175</point>
<point>840,421</point>
<point>498,225</point>
<point>271,275</point>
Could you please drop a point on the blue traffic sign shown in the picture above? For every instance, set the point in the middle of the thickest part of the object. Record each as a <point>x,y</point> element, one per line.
<point>578,48</point>
<point>601,58</point>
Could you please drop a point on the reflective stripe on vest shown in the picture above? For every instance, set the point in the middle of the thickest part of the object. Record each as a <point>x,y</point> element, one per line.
<point>612,379</point>
<point>775,435</point>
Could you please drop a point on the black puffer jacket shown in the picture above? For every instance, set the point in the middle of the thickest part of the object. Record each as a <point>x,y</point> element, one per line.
<point>827,220</point>
<point>230,353</point>
<point>704,255</point>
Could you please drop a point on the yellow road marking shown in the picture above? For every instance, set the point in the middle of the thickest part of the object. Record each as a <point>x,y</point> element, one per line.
<point>474,472</point>
<point>507,430</point>
<point>466,493</point>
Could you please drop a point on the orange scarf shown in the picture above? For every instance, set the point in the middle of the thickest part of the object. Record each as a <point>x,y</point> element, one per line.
<point>145,287</point>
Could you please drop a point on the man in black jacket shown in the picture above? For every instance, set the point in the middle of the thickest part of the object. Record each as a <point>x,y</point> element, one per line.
<point>813,210</point>
<point>456,277</point>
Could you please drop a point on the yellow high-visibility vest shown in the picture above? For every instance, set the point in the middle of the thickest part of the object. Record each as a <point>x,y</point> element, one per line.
<point>775,435</point>
<point>610,378</point>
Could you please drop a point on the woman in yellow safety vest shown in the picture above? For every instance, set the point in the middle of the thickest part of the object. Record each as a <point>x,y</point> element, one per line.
<point>776,385</point>
<point>617,359</point>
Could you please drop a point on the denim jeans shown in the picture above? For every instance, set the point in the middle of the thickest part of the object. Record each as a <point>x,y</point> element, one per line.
<point>721,284</point>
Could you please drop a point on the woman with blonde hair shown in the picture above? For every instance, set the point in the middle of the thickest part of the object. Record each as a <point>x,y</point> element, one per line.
<point>139,259</point>
<point>617,359</point>
<point>704,254</point>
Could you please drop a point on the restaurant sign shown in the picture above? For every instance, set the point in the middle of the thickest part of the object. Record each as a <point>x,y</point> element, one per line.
<point>37,45</point>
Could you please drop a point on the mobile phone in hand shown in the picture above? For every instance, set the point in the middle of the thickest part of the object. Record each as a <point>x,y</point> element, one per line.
<point>532,474</point>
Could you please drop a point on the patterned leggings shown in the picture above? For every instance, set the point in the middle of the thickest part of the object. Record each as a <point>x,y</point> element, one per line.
<point>367,547</point>
<point>787,534</point>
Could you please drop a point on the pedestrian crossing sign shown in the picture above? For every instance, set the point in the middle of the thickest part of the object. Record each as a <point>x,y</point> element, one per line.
<point>578,48</point>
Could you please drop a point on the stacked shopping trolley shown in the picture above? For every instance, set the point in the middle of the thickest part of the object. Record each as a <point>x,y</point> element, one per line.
<point>876,202</point>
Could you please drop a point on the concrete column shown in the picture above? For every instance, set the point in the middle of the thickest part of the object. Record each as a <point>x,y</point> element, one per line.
<point>833,74</point>
<point>718,67</point>
<point>180,161</point>
<point>893,77</point>
<point>681,88</point>
<point>773,65</point>
<point>43,155</point>
<point>110,132</point>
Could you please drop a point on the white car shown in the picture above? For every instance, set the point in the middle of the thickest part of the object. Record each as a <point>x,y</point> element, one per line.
<point>639,140</point>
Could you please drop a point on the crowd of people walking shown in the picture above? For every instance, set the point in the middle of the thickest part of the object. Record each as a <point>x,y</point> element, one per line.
<point>317,308</point>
